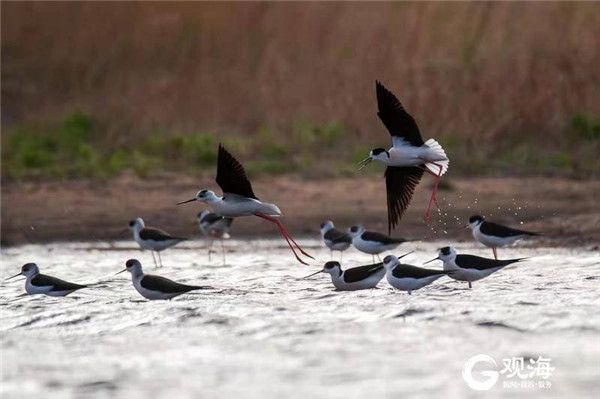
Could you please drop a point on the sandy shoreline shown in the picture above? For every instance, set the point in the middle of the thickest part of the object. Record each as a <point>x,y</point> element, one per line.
<point>564,210</point>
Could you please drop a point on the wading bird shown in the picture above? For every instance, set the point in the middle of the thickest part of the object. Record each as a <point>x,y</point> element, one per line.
<point>214,227</point>
<point>153,239</point>
<point>155,287</point>
<point>371,242</point>
<point>239,199</point>
<point>469,267</point>
<point>407,277</point>
<point>407,159</point>
<point>37,283</point>
<point>494,235</point>
<point>335,239</point>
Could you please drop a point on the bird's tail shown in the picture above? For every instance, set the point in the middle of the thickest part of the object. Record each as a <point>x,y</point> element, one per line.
<point>438,150</point>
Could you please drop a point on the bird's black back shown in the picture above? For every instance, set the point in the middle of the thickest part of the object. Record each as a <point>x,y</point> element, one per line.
<point>41,280</point>
<point>337,236</point>
<point>361,272</point>
<point>382,238</point>
<point>497,230</point>
<point>479,263</point>
<point>151,233</point>
<point>410,271</point>
<point>161,284</point>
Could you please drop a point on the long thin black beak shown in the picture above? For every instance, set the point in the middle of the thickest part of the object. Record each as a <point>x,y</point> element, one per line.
<point>185,202</point>
<point>11,277</point>
<point>124,270</point>
<point>122,232</point>
<point>364,163</point>
<point>429,261</point>
<point>310,275</point>
<point>408,253</point>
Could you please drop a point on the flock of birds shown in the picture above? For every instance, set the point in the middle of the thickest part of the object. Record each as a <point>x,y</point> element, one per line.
<point>409,158</point>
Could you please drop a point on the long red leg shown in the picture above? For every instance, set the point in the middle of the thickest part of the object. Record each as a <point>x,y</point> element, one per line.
<point>285,235</point>
<point>495,253</point>
<point>433,197</point>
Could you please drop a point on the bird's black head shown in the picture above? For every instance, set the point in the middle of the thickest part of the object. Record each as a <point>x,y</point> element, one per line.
<point>131,224</point>
<point>331,265</point>
<point>445,251</point>
<point>28,267</point>
<point>354,229</point>
<point>377,151</point>
<point>475,219</point>
<point>131,263</point>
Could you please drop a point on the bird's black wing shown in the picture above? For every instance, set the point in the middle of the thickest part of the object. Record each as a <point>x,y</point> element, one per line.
<point>361,272</point>
<point>400,185</point>
<point>382,238</point>
<point>409,271</point>
<point>211,218</point>
<point>161,284</point>
<point>337,236</point>
<point>150,233</point>
<point>231,176</point>
<point>395,118</point>
<point>41,280</point>
<point>479,263</point>
<point>497,230</point>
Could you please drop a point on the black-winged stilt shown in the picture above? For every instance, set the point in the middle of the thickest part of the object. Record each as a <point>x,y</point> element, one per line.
<point>371,242</point>
<point>335,239</point>
<point>239,199</point>
<point>356,278</point>
<point>214,227</point>
<point>153,239</point>
<point>37,283</point>
<point>407,277</point>
<point>407,159</point>
<point>495,235</point>
<point>469,267</point>
<point>155,287</point>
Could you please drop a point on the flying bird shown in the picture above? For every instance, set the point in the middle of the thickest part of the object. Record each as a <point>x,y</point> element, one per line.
<point>408,158</point>
<point>239,198</point>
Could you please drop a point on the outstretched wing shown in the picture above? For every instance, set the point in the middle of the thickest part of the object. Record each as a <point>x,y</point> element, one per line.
<point>231,176</point>
<point>400,184</point>
<point>401,125</point>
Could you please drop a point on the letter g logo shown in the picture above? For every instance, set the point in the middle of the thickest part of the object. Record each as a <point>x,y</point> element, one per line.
<point>491,375</point>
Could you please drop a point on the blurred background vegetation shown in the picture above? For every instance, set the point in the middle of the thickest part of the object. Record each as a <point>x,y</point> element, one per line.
<point>92,89</point>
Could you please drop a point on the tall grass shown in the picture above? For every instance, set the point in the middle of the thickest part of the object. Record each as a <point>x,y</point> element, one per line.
<point>510,81</point>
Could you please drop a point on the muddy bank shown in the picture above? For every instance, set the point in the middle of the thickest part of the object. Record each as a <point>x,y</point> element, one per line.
<point>566,211</point>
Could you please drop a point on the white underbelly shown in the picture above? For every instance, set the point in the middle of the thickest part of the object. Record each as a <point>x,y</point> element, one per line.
<point>493,241</point>
<point>471,274</point>
<point>365,284</point>
<point>372,247</point>
<point>410,284</point>
<point>340,246</point>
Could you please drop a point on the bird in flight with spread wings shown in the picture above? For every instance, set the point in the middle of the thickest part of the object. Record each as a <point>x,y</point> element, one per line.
<point>408,158</point>
<point>239,198</point>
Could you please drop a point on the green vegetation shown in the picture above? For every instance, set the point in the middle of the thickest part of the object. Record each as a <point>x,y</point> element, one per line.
<point>77,147</point>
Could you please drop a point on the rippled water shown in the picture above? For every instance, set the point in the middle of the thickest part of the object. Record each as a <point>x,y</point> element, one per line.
<point>262,332</point>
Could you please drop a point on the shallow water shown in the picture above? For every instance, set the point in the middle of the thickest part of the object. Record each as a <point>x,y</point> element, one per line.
<point>262,332</point>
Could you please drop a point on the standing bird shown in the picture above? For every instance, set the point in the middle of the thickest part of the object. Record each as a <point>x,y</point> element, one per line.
<point>371,242</point>
<point>469,267</point>
<point>239,199</point>
<point>356,278</point>
<point>214,226</point>
<point>153,239</point>
<point>407,159</point>
<point>495,235</point>
<point>407,277</point>
<point>37,283</point>
<point>155,287</point>
<point>335,239</point>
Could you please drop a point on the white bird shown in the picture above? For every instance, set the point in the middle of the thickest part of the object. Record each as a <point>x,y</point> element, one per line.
<point>494,235</point>
<point>335,239</point>
<point>153,239</point>
<point>239,199</point>
<point>407,159</point>
<point>469,267</point>
<point>37,283</point>
<point>371,242</point>
<point>407,277</point>
<point>214,227</point>
<point>356,278</point>
<point>155,287</point>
